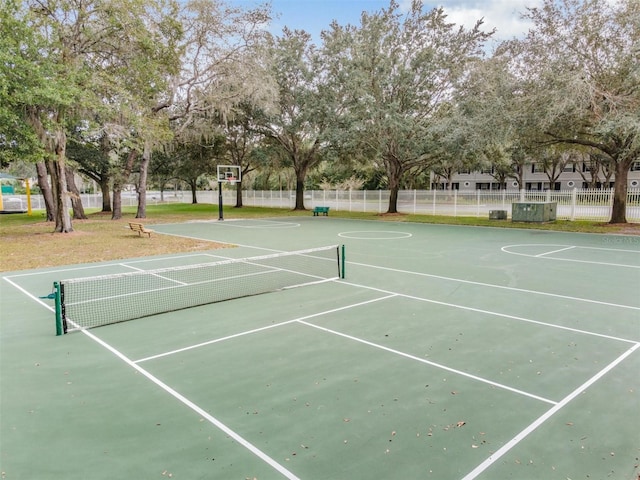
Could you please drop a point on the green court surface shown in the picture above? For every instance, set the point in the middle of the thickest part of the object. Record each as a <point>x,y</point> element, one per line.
<point>445,353</point>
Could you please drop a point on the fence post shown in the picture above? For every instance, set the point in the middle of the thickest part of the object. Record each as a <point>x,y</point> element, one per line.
<point>574,196</point>
<point>433,212</point>
<point>455,203</point>
<point>611,190</point>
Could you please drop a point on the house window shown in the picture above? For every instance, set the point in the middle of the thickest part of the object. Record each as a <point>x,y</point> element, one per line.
<point>635,167</point>
<point>537,168</point>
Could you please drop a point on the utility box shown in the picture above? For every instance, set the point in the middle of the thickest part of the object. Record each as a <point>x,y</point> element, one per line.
<point>533,211</point>
<point>497,214</point>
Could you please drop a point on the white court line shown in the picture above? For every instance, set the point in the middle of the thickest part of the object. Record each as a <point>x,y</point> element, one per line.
<point>178,396</point>
<point>154,275</point>
<point>555,251</point>
<point>489,312</point>
<point>433,364</point>
<point>115,264</point>
<point>255,330</point>
<point>505,249</point>
<point>500,287</point>
<point>524,433</point>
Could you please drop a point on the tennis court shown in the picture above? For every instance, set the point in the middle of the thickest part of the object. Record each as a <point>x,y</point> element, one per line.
<point>445,352</point>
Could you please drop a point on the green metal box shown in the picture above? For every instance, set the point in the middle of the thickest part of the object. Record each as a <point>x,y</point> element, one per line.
<point>533,211</point>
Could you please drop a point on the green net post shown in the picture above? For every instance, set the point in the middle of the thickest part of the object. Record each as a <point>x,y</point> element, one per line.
<point>58,301</point>
<point>342,270</point>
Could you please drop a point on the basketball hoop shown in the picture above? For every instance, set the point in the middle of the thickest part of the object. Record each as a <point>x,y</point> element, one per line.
<point>231,175</point>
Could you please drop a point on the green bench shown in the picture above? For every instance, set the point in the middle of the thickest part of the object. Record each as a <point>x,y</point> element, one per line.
<point>320,210</point>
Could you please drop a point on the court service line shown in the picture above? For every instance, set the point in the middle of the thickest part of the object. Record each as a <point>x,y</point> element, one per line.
<point>261,329</point>
<point>497,314</point>
<point>178,396</point>
<point>544,417</point>
<point>555,251</point>
<point>502,287</point>
<point>428,362</point>
<point>154,274</point>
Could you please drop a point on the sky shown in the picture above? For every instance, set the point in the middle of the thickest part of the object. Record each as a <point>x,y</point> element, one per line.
<point>316,15</point>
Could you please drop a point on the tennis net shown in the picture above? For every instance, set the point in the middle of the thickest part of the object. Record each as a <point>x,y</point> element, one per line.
<point>102,300</point>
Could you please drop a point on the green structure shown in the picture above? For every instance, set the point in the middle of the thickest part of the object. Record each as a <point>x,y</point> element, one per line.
<point>533,212</point>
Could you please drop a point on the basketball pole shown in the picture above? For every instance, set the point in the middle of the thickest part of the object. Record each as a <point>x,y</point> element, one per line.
<point>220,214</point>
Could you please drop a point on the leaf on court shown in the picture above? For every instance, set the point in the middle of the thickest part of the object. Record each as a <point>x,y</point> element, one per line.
<point>461,423</point>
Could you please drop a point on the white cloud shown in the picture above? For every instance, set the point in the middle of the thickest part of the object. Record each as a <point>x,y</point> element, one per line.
<point>503,15</point>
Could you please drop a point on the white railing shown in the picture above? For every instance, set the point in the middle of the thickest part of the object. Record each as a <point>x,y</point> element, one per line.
<point>571,204</point>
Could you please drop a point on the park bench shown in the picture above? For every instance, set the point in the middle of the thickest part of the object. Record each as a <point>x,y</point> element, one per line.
<point>138,227</point>
<point>318,210</point>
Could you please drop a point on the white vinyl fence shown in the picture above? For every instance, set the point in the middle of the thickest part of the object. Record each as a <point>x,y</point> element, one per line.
<point>571,204</point>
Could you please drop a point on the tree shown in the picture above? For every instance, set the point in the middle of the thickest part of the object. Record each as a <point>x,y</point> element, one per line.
<point>91,155</point>
<point>398,71</point>
<point>222,70</point>
<point>19,77</point>
<point>242,141</point>
<point>193,160</point>
<point>580,80</point>
<point>296,122</point>
<point>73,57</point>
<point>43,79</point>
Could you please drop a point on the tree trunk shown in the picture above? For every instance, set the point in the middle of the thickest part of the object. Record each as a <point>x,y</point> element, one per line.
<point>116,214</point>
<point>74,194</point>
<point>394,171</point>
<point>299,192</point>
<point>239,195</point>
<point>45,188</point>
<point>619,209</point>
<point>393,200</point>
<point>118,182</point>
<point>142,186</point>
<point>194,198</point>
<point>106,194</point>
<point>63,218</point>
